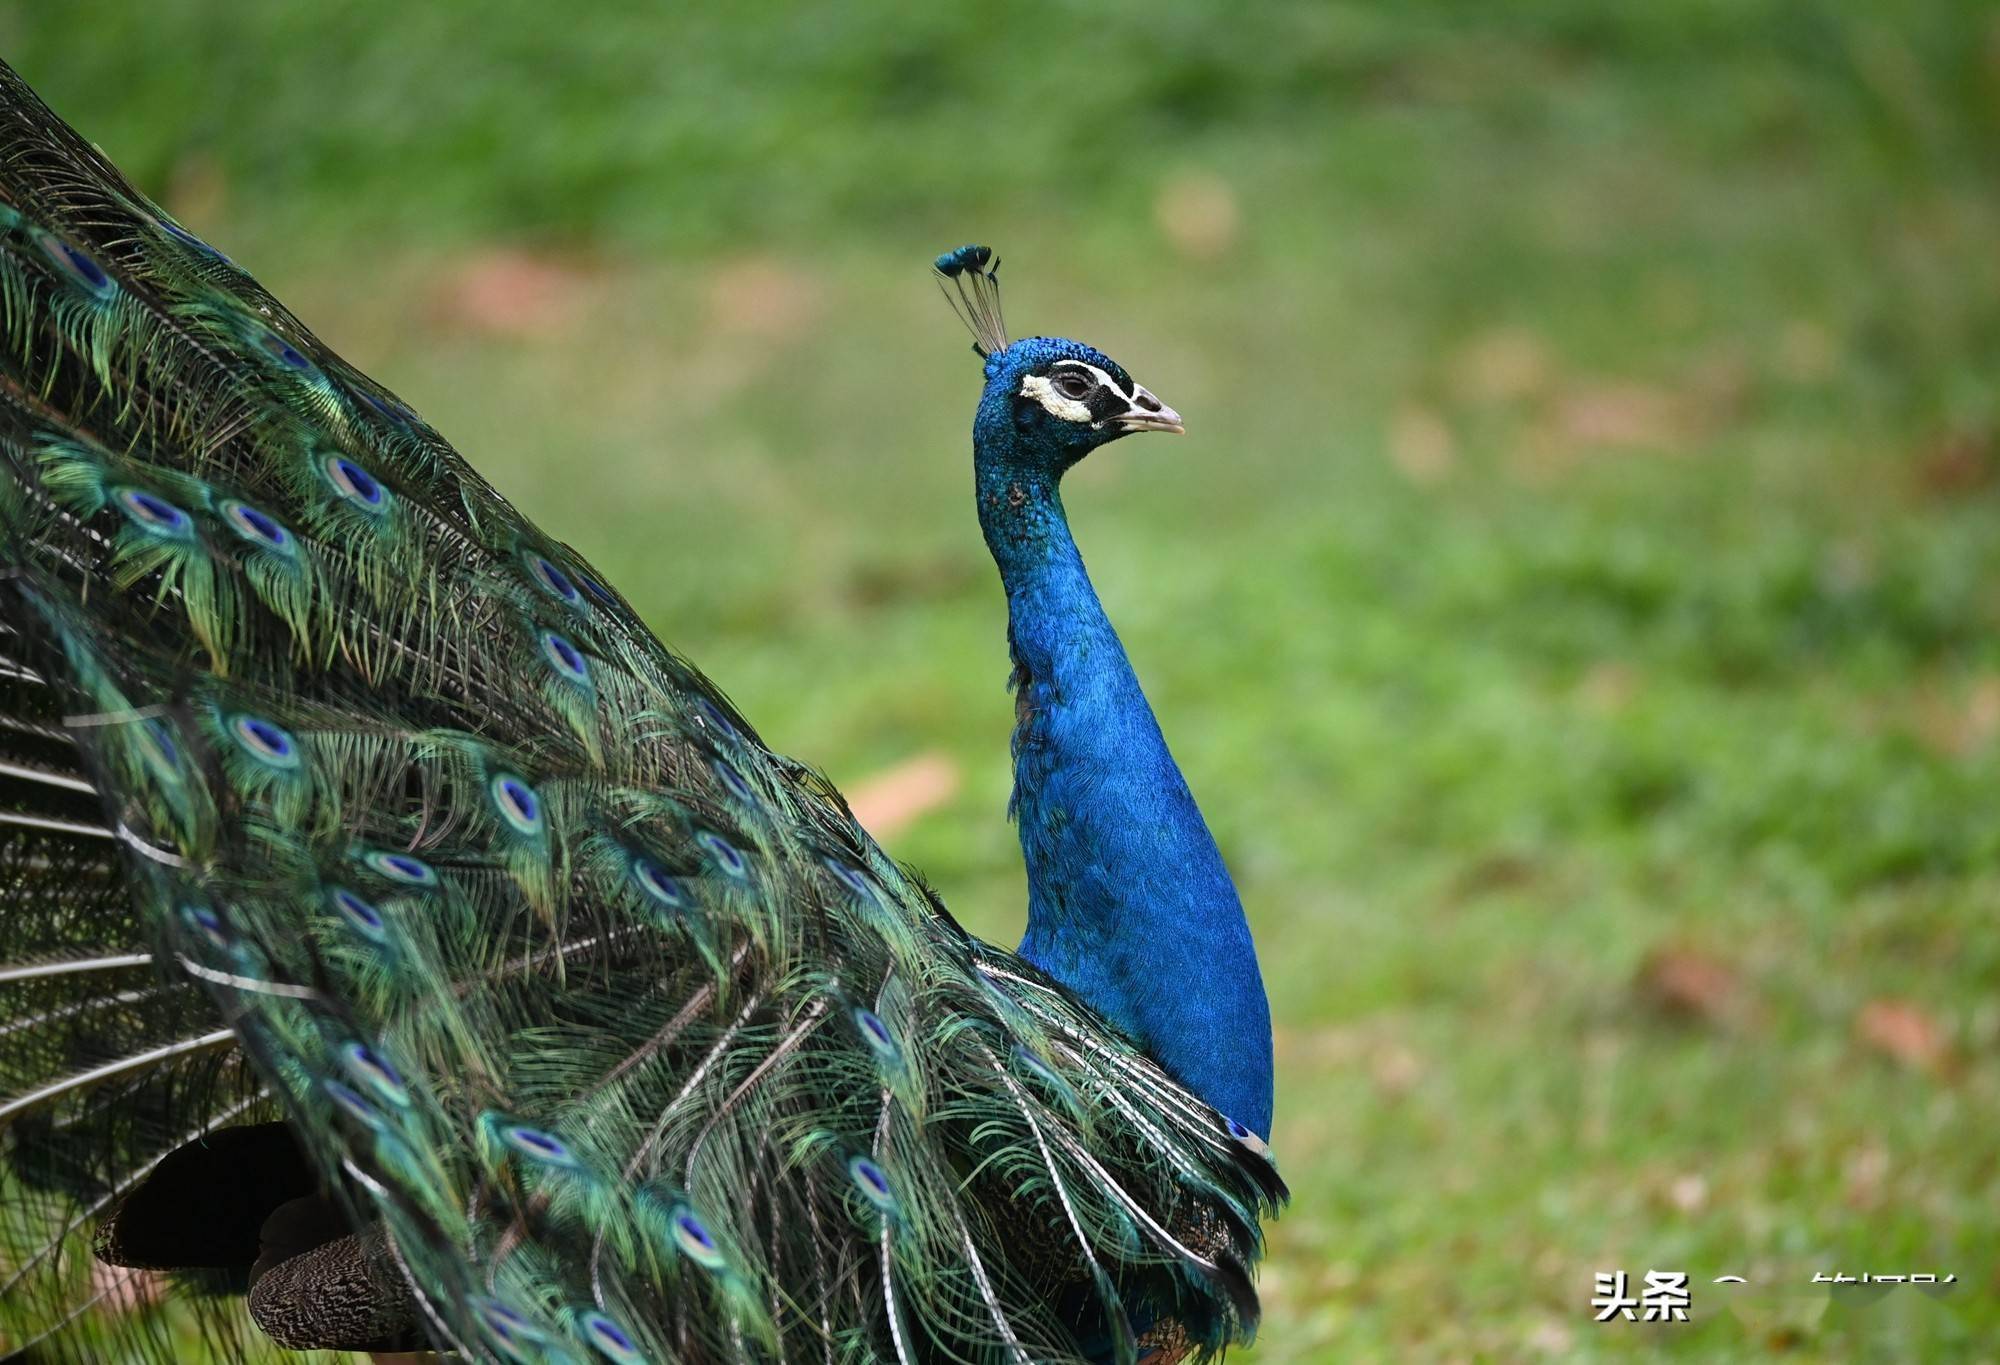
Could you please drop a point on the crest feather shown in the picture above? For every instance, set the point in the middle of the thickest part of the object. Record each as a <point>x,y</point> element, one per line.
<point>972,287</point>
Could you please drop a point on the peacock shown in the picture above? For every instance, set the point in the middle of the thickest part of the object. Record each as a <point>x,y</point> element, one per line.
<point>401,949</point>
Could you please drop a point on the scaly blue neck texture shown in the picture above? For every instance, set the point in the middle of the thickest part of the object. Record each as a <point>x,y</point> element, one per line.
<point>1129,904</point>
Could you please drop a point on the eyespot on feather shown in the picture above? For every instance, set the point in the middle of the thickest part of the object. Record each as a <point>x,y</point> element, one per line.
<point>268,743</point>
<point>566,658</point>
<point>726,774</point>
<point>400,867</point>
<point>354,483</point>
<point>351,1103</point>
<point>375,1075</point>
<point>876,1034</point>
<point>517,802</point>
<point>207,923</point>
<point>257,527</point>
<point>692,1236</point>
<point>154,514</point>
<point>852,878</point>
<point>712,718</point>
<point>512,1332</point>
<point>654,881</point>
<point>873,1183</point>
<point>181,234</point>
<point>538,1145</point>
<point>1246,1138</point>
<point>724,853</point>
<point>365,918</point>
<point>610,1339</point>
<point>78,266</point>
<point>553,580</point>
<point>279,349</point>
<point>396,412</point>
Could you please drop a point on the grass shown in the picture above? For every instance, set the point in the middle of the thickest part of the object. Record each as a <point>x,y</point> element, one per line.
<point>1575,604</point>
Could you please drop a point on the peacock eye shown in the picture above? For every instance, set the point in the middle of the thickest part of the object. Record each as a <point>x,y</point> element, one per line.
<point>1070,384</point>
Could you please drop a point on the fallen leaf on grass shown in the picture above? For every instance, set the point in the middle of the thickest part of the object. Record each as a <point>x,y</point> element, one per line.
<point>1958,463</point>
<point>1495,873</point>
<point>508,292</point>
<point>892,800</point>
<point>1689,984</point>
<point>1957,723</point>
<point>1902,1032</point>
<point>1621,413</point>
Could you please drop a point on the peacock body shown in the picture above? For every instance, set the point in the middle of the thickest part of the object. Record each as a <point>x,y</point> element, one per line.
<point>395,929</point>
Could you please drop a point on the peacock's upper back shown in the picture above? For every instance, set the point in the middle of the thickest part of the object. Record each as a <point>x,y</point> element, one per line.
<point>333,791</point>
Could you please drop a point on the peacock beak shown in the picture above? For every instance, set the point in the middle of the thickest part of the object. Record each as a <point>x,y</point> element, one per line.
<point>1147,413</point>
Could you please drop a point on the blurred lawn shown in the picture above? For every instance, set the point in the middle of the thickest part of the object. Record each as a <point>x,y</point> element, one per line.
<point>1577,603</point>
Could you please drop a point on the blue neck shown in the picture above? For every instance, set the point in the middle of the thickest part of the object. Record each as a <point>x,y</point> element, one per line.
<point>1129,904</point>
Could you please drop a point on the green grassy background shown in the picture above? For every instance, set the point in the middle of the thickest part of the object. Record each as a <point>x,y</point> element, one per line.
<point>1576,604</point>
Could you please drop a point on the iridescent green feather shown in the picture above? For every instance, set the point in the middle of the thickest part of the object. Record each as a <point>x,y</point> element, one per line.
<point>352,798</point>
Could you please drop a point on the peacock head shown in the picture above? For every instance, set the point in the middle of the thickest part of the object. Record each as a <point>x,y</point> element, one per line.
<point>1049,401</point>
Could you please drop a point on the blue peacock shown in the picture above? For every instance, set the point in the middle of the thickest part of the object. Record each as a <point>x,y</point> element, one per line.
<point>399,940</point>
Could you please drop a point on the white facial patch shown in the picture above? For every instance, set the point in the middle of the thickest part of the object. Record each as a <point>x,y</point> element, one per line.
<point>1042,389</point>
<point>1039,388</point>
